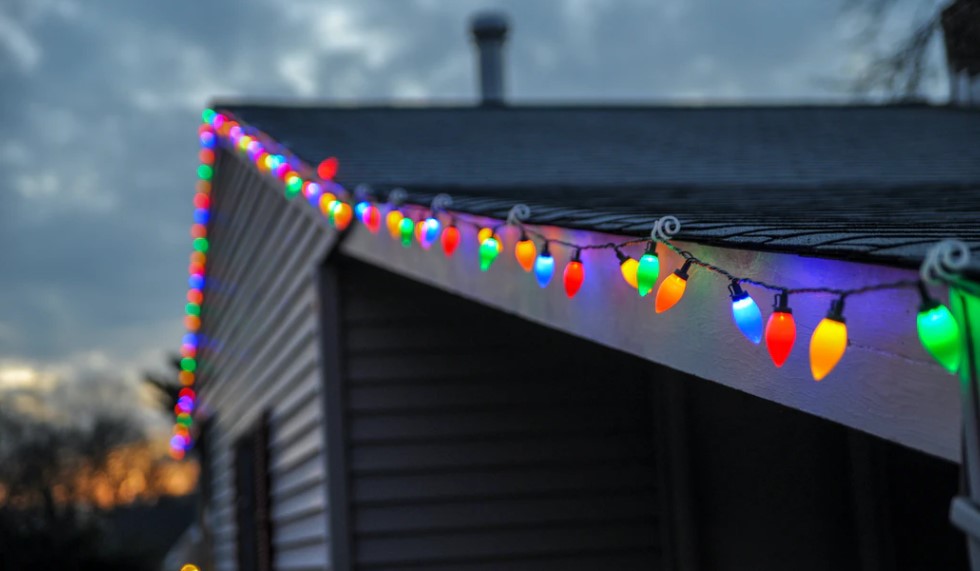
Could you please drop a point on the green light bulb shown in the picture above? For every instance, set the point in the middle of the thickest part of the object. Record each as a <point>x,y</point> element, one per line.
<point>489,250</point>
<point>293,186</point>
<point>407,229</point>
<point>192,309</point>
<point>205,172</point>
<point>207,115</point>
<point>201,245</point>
<point>648,271</point>
<point>940,334</point>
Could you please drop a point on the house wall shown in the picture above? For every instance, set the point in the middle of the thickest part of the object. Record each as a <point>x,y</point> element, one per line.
<point>260,355</point>
<point>475,440</point>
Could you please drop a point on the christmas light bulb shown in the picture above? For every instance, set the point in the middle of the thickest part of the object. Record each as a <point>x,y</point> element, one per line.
<point>574,275</point>
<point>342,215</point>
<point>327,201</point>
<point>489,250</point>
<point>430,232</point>
<point>328,168</point>
<point>483,234</point>
<point>672,288</point>
<point>405,228</point>
<point>450,240</point>
<point>359,209</point>
<point>393,220</point>
<point>419,226</point>
<point>628,267</point>
<point>312,191</point>
<point>648,270</point>
<point>746,313</point>
<point>939,332</point>
<point>828,342</point>
<point>544,267</point>
<point>780,330</point>
<point>525,252</point>
<point>294,184</point>
<point>372,218</point>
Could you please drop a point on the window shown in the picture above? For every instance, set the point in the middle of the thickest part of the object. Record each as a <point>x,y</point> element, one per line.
<point>252,499</point>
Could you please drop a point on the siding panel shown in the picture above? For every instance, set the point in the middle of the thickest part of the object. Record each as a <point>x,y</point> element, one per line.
<point>260,354</point>
<point>479,441</point>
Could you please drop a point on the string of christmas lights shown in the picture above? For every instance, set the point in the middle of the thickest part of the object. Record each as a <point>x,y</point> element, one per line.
<point>411,224</point>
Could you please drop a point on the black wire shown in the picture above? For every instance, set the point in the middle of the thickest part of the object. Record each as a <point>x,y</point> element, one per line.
<point>688,256</point>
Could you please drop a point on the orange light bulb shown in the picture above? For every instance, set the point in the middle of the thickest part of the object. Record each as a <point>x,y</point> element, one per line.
<point>342,215</point>
<point>526,252</point>
<point>828,342</point>
<point>672,288</point>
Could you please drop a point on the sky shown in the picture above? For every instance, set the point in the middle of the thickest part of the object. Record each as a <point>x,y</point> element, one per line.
<point>100,100</point>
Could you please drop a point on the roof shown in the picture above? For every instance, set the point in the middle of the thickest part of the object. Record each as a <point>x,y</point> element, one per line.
<point>875,183</point>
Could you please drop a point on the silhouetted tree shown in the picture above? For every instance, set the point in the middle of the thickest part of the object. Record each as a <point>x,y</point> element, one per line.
<point>899,72</point>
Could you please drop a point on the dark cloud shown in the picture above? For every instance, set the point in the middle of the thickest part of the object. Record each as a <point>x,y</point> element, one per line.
<point>101,101</point>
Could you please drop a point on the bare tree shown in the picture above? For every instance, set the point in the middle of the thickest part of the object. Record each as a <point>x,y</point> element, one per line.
<point>898,73</point>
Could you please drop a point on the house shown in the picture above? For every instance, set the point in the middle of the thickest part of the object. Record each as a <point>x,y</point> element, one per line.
<point>378,391</point>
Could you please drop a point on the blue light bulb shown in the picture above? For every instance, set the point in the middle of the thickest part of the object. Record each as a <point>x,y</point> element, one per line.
<point>196,281</point>
<point>359,209</point>
<point>747,316</point>
<point>201,215</point>
<point>313,192</point>
<point>432,229</point>
<point>544,267</point>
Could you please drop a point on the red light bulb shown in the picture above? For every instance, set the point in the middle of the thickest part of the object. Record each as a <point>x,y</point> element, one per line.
<point>450,240</point>
<point>574,275</point>
<point>328,168</point>
<point>780,330</point>
<point>372,218</point>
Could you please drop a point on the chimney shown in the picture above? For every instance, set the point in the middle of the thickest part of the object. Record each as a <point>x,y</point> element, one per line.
<point>961,32</point>
<point>489,32</point>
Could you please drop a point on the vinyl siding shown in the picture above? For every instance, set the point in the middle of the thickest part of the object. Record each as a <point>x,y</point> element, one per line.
<point>261,354</point>
<point>481,441</point>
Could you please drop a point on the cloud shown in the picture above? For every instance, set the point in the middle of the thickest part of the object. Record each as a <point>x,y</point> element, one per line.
<point>100,107</point>
<point>18,45</point>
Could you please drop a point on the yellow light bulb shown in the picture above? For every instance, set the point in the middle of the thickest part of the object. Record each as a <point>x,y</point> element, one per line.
<point>483,235</point>
<point>628,268</point>
<point>393,221</point>
<point>828,342</point>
